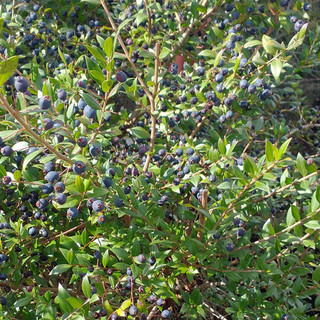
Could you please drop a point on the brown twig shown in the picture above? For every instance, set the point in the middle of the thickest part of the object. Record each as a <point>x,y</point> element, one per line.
<point>153,109</point>
<point>278,233</point>
<point>204,202</point>
<point>196,129</point>
<point>123,46</point>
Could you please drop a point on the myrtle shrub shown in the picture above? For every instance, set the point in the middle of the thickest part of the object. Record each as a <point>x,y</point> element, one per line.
<point>153,161</point>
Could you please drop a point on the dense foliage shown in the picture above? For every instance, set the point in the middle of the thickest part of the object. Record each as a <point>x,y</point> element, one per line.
<point>158,160</point>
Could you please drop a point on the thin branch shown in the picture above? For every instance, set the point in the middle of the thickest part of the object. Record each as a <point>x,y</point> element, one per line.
<point>25,125</point>
<point>185,35</point>
<point>145,88</point>
<point>204,202</point>
<point>278,233</point>
<point>214,312</point>
<point>153,109</point>
<point>284,187</point>
<point>196,129</point>
<point>149,18</point>
<point>306,126</point>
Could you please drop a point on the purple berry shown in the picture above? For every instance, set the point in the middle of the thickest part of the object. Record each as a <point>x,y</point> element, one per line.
<point>21,84</point>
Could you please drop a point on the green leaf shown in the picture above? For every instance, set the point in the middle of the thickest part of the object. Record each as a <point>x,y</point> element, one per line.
<point>207,53</point>
<point>262,186</point>
<point>140,132</point>
<point>17,175</point>
<point>105,258</point>
<point>293,215</point>
<point>108,307</point>
<point>107,85</point>
<point>9,134</point>
<point>314,200</point>
<point>120,253</point>
<point>164,53</point>
<point>271,46</point>
<point>269,151</point>
<point>79,184</point>
<point>224,185</point>
<point>60,268</point>
<point>219,33</point>
<point>283,148</point>
<point>276,67</point>
<point>193,9</point>
<point>3,171</point>
<point>91,102</point>
<point>302,31</point>
<point>252,43</point>
<point>75,302</point>
<point>313,224</point>
<point>135,247</point>
<point>97,53</point>
<point>72,201</point>
<point>7,68</point>
<point>97,75</point>
<point>268,228</point>
<point>97,2</point>
<point>86,289</point>
<point>316,275</point>
<point>300,271</point>
<point>30,157</point>
<point>249,165</point>
<point>301,165</point>
<point>195,297</point>
<point>23,302</point>
<point>125,304</point>
<point>221,146</point>
<point>218,58</point>
<point>108,45</point>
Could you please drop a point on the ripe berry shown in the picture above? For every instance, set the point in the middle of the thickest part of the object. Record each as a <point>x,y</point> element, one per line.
<point>114,316</point>
<point>52,176</point>
<point>94,150</point>
<point>6,151</point>
<point>21,84</point>
<point>82,142</point>
<point>298,25</point>
<point>118,203</point>
<point>230,246</point>
<point>152,260</point>
<point>33,231</point>
<point>6,180</point>
<point>72,212</point>
<point>81,84</point>
<point>241,232</point>
<point>133,311</point>
<point>79,167</point>
<point>89,112</point>
<point>62,95</point>
<point>107,182</point>
<point>101,219</point>
<point>47,188</point>
<point>44,103</point>
<point>3,301</point>
<point>243,84</point>
<point>61,198</point>
<point>97,254</point>
<point>141,258</point>
<point>121,76</point>
<point>165,314</point>
<point>97,206</point>
<point>310,161</point>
